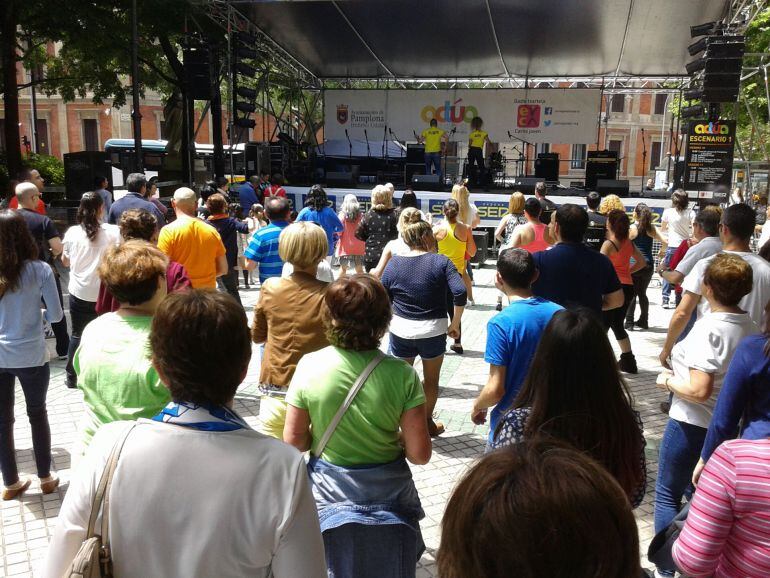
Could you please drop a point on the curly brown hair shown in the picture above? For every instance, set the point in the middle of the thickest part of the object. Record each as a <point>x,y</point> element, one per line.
<point>357,312</point>
<point>16,248</point>
<point>201,346</point>
<point>138,224</point>
<point>217,204</point>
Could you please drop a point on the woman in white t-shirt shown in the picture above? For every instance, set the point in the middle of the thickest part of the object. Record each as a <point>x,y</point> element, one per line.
<point>84,245</point>
<point>700,362</point>
<point>676,224</point>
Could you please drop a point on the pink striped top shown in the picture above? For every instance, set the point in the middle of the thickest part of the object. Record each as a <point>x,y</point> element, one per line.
<point>727,533</point>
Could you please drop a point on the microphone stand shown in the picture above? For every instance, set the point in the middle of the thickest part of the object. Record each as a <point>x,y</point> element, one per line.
<point>446,151</point>
<point>350,150</point>
<point>522,158</point>
<point>368,152</point>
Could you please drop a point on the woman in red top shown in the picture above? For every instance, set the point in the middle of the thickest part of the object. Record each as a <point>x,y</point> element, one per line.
<point>621,250</point>
<point>533,236</point>
<point>350,250</point>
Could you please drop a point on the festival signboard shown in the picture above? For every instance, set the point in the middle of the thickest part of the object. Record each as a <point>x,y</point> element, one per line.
<point>708,159</point>
<point>536,116</point>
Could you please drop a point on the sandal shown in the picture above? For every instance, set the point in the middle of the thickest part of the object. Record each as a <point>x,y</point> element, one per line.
<point>457,348</point>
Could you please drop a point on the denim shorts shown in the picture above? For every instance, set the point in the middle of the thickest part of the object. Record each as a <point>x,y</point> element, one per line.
<point>425,348</point>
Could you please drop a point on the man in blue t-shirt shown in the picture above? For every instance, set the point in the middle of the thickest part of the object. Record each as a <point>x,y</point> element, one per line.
<point>263,247</point>
<point>247,194</point>
<point>572,274</point>
<point>512,335</point>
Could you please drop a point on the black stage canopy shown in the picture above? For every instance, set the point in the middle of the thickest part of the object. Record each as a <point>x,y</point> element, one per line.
<point>446,39</point>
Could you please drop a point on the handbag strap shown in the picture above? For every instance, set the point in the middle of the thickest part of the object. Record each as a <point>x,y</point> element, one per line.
<point>103,489</point>
<point>378,357</point>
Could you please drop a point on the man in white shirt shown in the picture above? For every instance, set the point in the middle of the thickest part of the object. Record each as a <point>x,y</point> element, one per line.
<point>705,228</point>
<point>736,229</point>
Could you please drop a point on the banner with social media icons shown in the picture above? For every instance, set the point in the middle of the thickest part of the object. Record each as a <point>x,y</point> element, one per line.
<point>557,116</point>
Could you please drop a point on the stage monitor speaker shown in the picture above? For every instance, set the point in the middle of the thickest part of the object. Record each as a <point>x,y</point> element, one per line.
<point>339,179</point>
<point>257,157</point>
<point>411,169</point>
<point>80,170</point>
<point>526,185</point>
<point>415,153</point>
<point>600,165</point>
<point>426,182</point>
<point>612,187</point>
<point>547,167</point>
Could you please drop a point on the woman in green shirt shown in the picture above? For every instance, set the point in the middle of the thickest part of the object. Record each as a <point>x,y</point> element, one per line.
<point>366,498</point>
<point>113,363</point>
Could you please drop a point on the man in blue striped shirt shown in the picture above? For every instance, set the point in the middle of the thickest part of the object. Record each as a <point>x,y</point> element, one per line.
<point>263,247</point>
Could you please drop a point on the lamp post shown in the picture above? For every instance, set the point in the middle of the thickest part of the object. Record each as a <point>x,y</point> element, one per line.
<point>136,115</point>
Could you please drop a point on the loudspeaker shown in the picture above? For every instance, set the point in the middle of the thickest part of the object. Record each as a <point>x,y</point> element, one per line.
<point>198,73</point>
<point>526,185</point>
<point>547,167</point>
<point>338,179</point>
<point>257,157</point>
<point>80,170</point>
<point>415,153</point>
<point>481,238</point>
<point>426,182</point>
<point>600,165</point>
<point>612,187</point>
<point>412,169</point>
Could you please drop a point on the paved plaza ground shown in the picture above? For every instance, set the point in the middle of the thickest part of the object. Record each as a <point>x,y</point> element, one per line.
<point>28,524</point>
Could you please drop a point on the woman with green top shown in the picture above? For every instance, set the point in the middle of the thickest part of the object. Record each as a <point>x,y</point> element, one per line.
<point>367,501</point>
<point>112,363</point>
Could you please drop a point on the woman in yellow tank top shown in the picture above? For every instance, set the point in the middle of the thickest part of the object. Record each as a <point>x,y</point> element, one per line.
<point>455,239</point>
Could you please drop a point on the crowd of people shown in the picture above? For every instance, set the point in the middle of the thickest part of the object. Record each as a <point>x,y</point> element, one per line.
<point>160,344</point>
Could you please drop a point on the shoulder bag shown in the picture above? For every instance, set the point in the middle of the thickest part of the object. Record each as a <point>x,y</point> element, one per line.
<point>378,357</point>
<point>94,559</point>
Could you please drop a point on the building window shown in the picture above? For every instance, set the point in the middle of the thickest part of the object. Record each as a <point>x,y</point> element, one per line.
<point>42,136</point>
<point>660,104</point>
<point>618,103</point>
<point>655,149</point>
<point>2,134</point>
<point>616,146</point>
<point>542,148</point>
<point>90,134</point>
<point>578,156</point>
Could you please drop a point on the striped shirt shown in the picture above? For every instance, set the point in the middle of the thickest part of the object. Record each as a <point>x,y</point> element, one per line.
<point>727,533</point>
<point>263,248</point>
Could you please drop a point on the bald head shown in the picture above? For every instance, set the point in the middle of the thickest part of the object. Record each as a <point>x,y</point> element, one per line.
<point>27,194</point>
<point>185,200</point>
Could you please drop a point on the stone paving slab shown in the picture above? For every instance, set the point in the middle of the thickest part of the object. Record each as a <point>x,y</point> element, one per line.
<point>27,524</point>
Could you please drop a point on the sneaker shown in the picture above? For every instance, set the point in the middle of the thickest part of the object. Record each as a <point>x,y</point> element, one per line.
<point>48,485</point>
<point>629,325</point>
<point>17,489</point>
<point>435,428</point>
<point>641,324</point>
<point>457,348</point>
<point>627,363</point>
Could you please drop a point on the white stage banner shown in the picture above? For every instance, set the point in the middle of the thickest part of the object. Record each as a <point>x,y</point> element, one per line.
<point>556,115</point>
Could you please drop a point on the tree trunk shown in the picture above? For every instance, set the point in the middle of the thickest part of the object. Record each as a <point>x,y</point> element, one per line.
<point>8,17</point>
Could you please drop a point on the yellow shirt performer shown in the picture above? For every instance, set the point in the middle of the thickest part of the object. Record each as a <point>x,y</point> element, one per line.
<point>433,137</point>
<point>476,141</point>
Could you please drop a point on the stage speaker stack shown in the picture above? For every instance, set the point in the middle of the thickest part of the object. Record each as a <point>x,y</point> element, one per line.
<point>415,154</point>
<point>257,157</point>
<point>80,170</point>
<point>612,187</point>
<point>600,165</point>
<point>547,167</point>
<point>426,182</point>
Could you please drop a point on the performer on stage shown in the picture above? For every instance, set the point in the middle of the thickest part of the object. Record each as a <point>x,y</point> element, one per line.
<point>476,141</point>
<point>433,137</point>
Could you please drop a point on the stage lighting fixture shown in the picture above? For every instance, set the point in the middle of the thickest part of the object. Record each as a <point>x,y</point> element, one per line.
<point>695,93</point>
<point>703,29</point>
<point>698,46</point>
<point>693,111</point>
<point>695,65</point>
<point>247,93</point>
<point>245,69</point>
<point>245,106</point>
<point>247,53</point>
<point>245,122</point>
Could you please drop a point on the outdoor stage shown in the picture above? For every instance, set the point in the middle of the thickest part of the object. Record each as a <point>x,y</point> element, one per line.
<point>492,206</point>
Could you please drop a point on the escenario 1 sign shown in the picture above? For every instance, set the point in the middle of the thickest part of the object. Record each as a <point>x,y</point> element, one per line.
<point>709,154</point>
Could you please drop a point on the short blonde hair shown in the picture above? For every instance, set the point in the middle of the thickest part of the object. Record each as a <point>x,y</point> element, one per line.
<point>303,244</point>
<point>516,203</point>
<point>382,198</point>
<point>611,203</point>
<point>406,217</point>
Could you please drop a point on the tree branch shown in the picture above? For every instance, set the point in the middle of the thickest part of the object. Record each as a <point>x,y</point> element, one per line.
<point>172,58</point>
<point>159,72</point>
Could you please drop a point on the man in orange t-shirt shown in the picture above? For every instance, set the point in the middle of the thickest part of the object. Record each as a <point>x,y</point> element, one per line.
<point>193,243</point>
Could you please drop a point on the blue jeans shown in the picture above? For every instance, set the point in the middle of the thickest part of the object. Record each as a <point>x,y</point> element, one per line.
<point>82,313</point>
<point>680,450</point>
<point>667,287</point>
<point>433,160</point>
<point>34,384</point>
<point>355,550</point>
